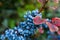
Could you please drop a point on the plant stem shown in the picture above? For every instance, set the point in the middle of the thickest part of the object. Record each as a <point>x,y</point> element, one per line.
<point>42,8</point>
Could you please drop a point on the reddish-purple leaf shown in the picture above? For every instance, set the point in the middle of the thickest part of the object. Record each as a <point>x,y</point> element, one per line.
<point>56,21</point>
<point>58,32</point>
<point>41,30</point>
<point>37,20</point>
<point>52,27</point>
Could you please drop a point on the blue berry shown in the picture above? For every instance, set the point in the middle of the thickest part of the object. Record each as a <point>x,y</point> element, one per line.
<point>24,29</point>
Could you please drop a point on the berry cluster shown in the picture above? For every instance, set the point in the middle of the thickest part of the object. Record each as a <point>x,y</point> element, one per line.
<point>24,30</point>
<point>33,21</point>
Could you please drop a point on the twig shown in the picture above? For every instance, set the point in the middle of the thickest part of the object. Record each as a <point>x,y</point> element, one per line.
<point>40,10</point>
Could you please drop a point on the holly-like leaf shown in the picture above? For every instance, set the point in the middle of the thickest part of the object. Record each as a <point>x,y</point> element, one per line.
<point>53,28</point>
<point>37,20</point>
<point>56,21</point>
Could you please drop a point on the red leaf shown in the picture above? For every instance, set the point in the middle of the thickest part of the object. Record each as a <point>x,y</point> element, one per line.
<point>56,21</point>
<point>41,30</point>
<point>37,20</point>
<point>58,32</point>
<point>52,27</point>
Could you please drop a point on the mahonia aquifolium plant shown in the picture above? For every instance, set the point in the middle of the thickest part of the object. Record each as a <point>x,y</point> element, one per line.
<point>33,21</point>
